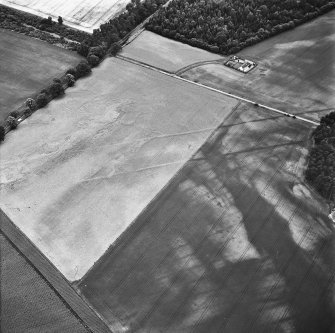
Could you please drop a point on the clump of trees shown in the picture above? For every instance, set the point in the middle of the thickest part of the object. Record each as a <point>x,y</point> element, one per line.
<point>228,26</point>
<point>15,114</point>
<point>42,100</point>
<point>93,60</point>
<point>31,104</point>
<point>82,69</point>
<point>320,171</point>
<point>11,122</point>
<point>45,22</point>
<point>55,89</point>
<point>70,79</point>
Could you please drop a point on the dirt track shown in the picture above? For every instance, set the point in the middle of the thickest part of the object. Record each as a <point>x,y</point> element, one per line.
<point>165,53</point>
<point>236,243</point>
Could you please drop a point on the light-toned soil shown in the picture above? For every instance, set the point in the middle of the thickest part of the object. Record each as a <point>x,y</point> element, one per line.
<point>84,15</point>
<point>78,172</point>
<point>236,243</point>
<point>295,69</point>
<point>165,53</point>
<point>26,66</point>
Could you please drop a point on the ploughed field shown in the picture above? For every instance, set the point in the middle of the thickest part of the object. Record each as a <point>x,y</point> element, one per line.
<point>26,66</point>
<point>84,15</point>
<point>78,172</point>
<point>237,242</point>
<point>295,69</point>
<point>28,302</point>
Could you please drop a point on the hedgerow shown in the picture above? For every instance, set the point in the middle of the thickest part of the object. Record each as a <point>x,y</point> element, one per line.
<point>16,20</point>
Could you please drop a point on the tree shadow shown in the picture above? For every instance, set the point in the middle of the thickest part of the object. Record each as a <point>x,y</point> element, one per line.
<point>226,247</point>
<point>308,283</point>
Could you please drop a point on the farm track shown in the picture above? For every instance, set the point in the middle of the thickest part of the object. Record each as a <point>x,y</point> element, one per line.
<point>156,69</point>
<point>197,64</point>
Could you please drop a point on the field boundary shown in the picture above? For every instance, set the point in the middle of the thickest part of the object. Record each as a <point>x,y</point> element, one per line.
<point>263,106</point>
<point>129,232</point>
<point>53,277</point>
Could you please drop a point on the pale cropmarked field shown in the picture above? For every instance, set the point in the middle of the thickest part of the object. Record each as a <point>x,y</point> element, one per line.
<point>84,15</point>
<point>165,53</point>
<point>236,243</point>
<point>78,172</point>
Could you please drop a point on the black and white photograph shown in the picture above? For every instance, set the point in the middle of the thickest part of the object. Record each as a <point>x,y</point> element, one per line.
<point>167,166</point>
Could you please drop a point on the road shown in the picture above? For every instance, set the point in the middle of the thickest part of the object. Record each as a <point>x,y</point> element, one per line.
<point>139,63</point>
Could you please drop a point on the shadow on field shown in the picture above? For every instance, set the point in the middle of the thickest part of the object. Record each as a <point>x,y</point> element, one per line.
<point>308,283</point>
<point>230,245</point>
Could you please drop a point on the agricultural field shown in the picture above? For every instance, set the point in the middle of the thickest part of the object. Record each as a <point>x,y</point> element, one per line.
<point>166,206</point>
<point>28,303</point>
<point>28,65</point>
<point>295,69</point>
<point>237,242</point>
<point>84,15</point>
<point>78,172</point>
<point>165,53</point>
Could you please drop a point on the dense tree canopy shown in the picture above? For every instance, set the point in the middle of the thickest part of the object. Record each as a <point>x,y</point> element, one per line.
<point>2,133</point>
<point>321,161</point>
<point>230,25</point>
<point>117,28</point>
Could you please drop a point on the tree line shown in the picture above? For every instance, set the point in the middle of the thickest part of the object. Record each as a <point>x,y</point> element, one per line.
<point>112,32</point>
<point>13,19</point>
<point>94,47</point>
<point>320,171</point>
<point>228,26</point>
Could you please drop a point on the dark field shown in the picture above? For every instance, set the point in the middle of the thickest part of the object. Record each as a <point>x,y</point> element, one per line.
<point>28,304</point>
<point>26,66</point>
<point>237,242</point>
